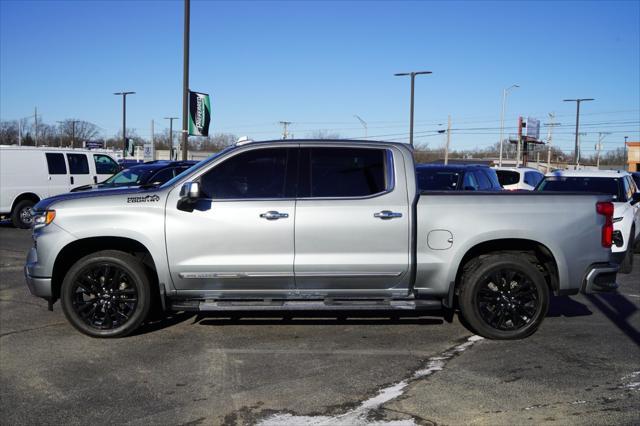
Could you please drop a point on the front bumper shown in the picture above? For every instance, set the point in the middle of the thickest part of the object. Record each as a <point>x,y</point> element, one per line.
<point>600,278</point>
<point>38,286</point>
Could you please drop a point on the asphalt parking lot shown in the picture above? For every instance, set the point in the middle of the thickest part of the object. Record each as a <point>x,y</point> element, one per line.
<point>581,367</point>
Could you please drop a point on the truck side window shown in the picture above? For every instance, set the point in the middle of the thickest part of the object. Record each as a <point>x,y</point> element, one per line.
<point>470,183</point>
<point>259,173</point>
<point>56,164</point>
<point>342,172</point>
<point>532,178</point>
<point>78,164</point>
<point>105,165</point>
<point>484,184</point>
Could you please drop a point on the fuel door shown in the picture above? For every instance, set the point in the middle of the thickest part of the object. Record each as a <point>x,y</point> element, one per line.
<point>440,239</point>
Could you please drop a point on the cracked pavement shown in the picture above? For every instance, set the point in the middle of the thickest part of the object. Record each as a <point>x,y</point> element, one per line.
<point>581,367</point>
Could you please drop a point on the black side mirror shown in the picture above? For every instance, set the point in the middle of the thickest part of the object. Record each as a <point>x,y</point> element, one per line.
<point>189,195</point>
<point>635,198</point>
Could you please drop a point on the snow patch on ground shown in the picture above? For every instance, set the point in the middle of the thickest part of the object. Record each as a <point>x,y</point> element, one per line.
<point>631,381</point>
<point>359,415</point>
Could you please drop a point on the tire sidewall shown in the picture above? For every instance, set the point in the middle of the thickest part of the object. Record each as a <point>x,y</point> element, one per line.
<point>468,296</point>
<point>627,262</point>
<point>135,270</point>
<point>16,217</point>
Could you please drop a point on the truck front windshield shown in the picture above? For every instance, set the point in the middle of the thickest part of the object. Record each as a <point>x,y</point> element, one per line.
<point>129,177</point>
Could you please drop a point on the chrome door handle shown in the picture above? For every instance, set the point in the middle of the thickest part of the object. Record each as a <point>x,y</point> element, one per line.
<point>387,214</point>
<point>274,215</point>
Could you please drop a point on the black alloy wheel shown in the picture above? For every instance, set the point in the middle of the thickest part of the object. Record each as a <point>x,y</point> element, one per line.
<point>507,299</point>
<point>106,294</point>
<point>503,295</point>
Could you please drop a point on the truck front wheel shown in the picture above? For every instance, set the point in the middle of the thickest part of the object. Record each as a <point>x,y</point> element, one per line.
<point>106,294</point>
<point>503,296</point>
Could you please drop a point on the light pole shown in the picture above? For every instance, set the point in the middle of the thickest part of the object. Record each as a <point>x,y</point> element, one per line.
<point>504,102</point>
<point>171,136</point>
<point>577,147</point>
<point>124,120</point>
<point>364,124</point>
<point>185,80</point>
<point>413,78</point>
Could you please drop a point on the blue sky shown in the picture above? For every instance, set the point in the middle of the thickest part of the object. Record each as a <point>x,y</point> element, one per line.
<point>319,63</point>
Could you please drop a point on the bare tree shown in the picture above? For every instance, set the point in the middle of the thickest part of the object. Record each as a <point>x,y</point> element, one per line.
<point>8,132</point>
<point>324,134</point>
<point>77,130</point>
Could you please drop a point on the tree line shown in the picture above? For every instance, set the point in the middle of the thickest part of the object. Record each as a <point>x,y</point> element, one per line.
<point>73,133</point>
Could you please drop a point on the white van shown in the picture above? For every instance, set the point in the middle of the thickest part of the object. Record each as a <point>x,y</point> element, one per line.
<point>30,174</point>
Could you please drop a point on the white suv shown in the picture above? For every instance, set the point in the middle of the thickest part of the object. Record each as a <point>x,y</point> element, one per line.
<point>518,178</point>
<point>626,202</point>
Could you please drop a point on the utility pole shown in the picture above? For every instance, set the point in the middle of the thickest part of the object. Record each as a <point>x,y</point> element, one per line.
<point>577,146</point>
<point>35,115</point>
<point>285,127</point>
<point>446,147</point>
<point>19,132</point>
<point>519,141</point>
<point>551,124</point>
<point>505,92</point>
<point>364,124</point>
<point>124,120</point>
<point>413,78</point>
<point>185,81</point>
<point>601,136</point>
<point>171,156</point>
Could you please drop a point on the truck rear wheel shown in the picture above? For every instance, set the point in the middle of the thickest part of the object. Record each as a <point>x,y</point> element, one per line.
<point>503,296</point>
<point>106,294</point>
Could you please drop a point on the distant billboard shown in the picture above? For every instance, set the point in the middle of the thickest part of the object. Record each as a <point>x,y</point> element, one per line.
<point>533,128</point>
<point>94,144</point>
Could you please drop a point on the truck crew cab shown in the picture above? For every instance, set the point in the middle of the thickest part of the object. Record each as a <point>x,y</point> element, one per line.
<point>308,224</point>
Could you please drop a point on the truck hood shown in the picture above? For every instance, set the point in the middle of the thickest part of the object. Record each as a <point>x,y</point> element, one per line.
<point>48,202</point>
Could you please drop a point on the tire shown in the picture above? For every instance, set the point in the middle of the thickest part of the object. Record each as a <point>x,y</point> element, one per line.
<point>627,262</point>
<point>106,294</point>
<point>491,309</point>
<point>21,214</point>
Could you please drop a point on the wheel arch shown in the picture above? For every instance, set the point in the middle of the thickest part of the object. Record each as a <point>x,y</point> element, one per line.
<point>24,196</point>
<point>537,253</point>
<point>78,249</point>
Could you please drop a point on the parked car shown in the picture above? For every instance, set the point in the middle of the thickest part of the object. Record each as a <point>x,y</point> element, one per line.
<point>316,224</point>
<point>30,174</point>
<point>456,177</point>
<point>518,178</point>
<point>626,201</point>
<point>636,178</point>
<point>152,172</point>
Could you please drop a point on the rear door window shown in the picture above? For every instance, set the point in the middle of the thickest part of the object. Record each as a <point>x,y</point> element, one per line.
<point>343,172</point>
<point>56,164</point>
<point>508,177</point>
<point>78,164</point>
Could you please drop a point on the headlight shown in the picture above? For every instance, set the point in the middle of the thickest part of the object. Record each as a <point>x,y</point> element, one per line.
<point>43,218</point>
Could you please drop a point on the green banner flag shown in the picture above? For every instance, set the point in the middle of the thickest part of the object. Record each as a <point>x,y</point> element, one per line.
<point>199,114</point>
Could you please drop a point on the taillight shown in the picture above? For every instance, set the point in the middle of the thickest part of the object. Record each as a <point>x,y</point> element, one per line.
<point>605,208</point>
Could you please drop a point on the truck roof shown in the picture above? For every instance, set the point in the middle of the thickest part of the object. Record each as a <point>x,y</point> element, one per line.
<point>589,173</point>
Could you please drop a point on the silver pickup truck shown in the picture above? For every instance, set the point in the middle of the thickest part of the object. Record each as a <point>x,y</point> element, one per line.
<point>308,224</point>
